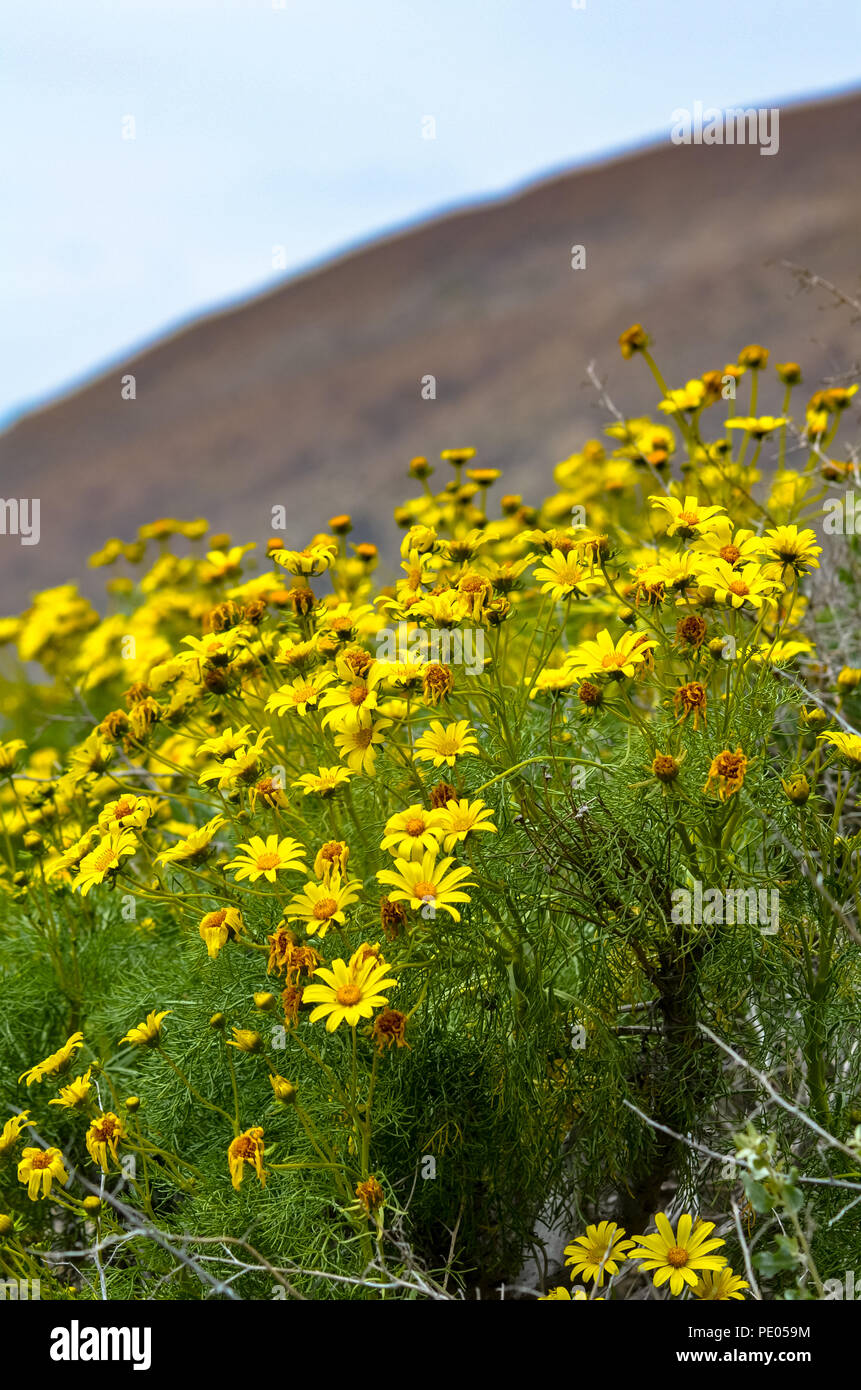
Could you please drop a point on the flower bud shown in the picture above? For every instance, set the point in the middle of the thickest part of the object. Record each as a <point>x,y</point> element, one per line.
<point>284,1090</point>
<point>265,1001</point>
<point>218,1021</point>
<point>6,1224</point>
<point>132,1104</point>
<point>797,788</point>
<point>92,1206</point>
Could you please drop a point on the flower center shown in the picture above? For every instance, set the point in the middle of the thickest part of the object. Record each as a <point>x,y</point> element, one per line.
<point>425,890</point>
<point>730,553</point>
<point>689,518</point>
<point>358,694</point>
<point>271,859</point>
<point>415,826</point>
<point>739,587</point>
<point>305,692</point>
<point>677,1257</point>
<point>324,909</point>
<point>104,860</point>
<point>348,994</point>
<point>41,1161</point>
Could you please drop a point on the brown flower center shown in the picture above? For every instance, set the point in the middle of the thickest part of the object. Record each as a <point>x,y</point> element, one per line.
<point>348,994</point>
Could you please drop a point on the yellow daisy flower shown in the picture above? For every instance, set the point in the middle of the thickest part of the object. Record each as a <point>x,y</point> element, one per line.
<point>11,1132</point>
<point>246,1148</point>
<point>602,1248</point>
<point>358,745</point>
<point>720,1285</point>
<point>103,1136</point>
<point>687,518</point>
<point>219,927</point>
<point>445,744</point>
<point>564,577</point>
<point>847,745</point>
<point>57,1062</point>
<point>76,1093</point>
<point>193,847</point>
<point>260,858</point>
<point>39,1168</point>
<point>603,657</point>
<point>105,859</point>
<point>678,1258</point>
<point>351,991</point>
<point>321,904</point>
<point>324,782</point>
<point>408,834</point>
<point>428,881</point>
<point>148,1033</point>
<point>462,818</point>
<point>299,694</point>
<point>736,587</point>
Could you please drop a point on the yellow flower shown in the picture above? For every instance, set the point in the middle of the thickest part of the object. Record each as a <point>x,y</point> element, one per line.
<point>689,397</point>
<point>219,927</point>
<point>408,834</point>
<point>445,744</point>
<point>351,703</point>
<point>358,745</point>
<point>351,991</point>
<point>461,818</point>
<point>847,745</point>
<point>11,1132</point>
<point>564,577</point>
<point>720,1285</point>
<point>300,694</point>
<point>103,1136</point>
<point>331,856</point>
<point>324,782</point>
<point>727,772</point>
<point>242,767</point>
<point>246,1148</point>
<point>148,1033</point>
<point>792,548</point>
<point>246,1040</point>
<point>737,587</point>
<point>128,812</point>
<point>57,1062</point>
<point>9,755</point>
<point>757,426</point>
<point>725,543</point>
<point>428,882</point>
<point>264,859</point>
<point>76,1093</point>
<point>193,847</point>
<point>321,904</point>
<point>603,657</point>
<point>678,1258</point>
<point>314,559</point>
<point>687,518</point>
<point>38,1169</point>
<point>602,1248</point>
<point>105,859</point>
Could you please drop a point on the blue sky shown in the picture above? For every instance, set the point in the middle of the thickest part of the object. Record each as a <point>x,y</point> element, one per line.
<point>297,124</point>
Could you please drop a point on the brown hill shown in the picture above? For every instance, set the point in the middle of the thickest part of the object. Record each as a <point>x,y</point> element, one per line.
<point>310,395</point>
